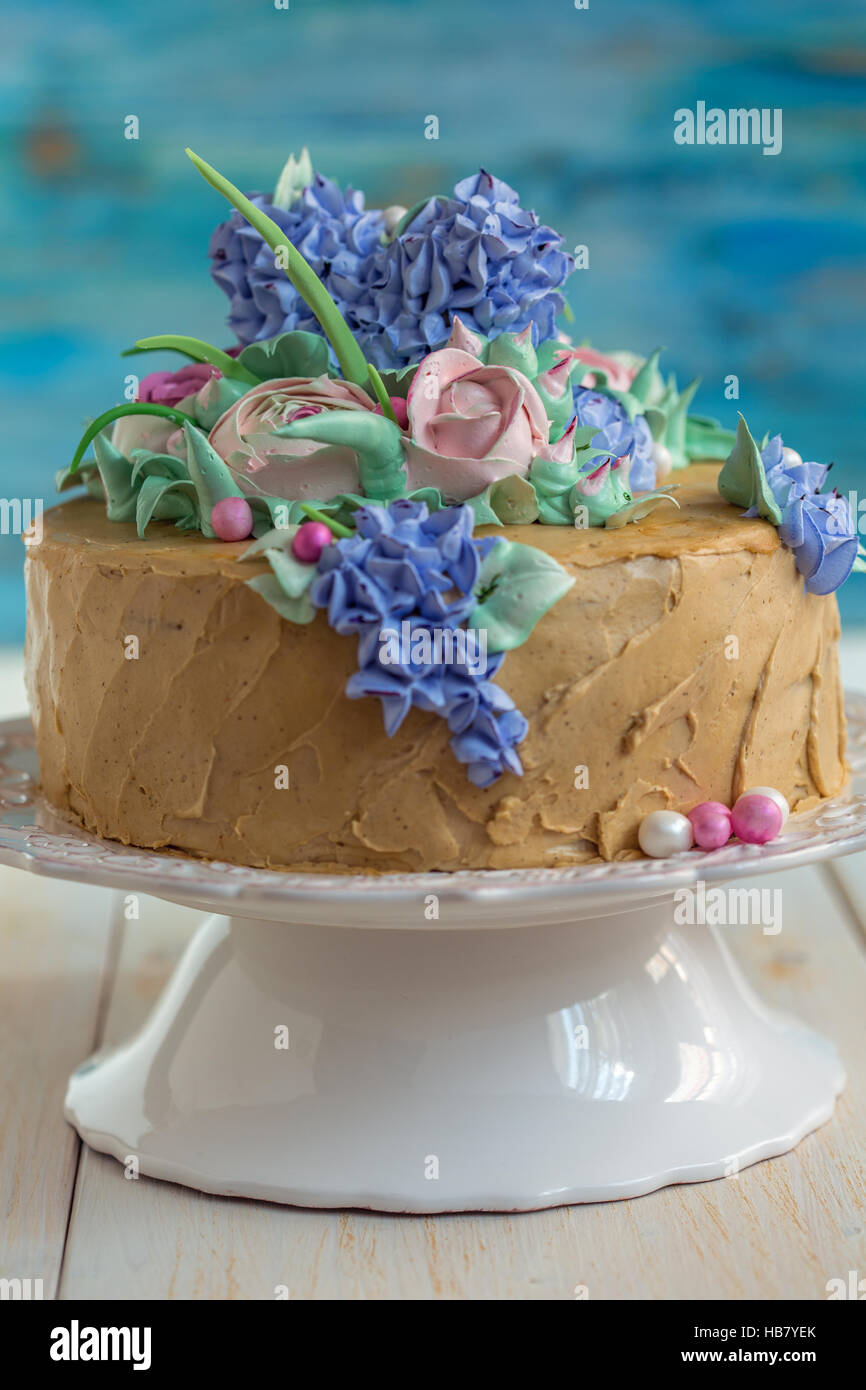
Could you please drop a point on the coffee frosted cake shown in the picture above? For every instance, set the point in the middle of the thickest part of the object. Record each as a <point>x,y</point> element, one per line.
<point>407,580</point>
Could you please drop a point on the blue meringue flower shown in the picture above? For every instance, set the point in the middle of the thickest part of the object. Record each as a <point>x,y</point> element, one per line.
<point>332,231</point>
<point>478,253</point>
<point>617,435</point>
<point>403,578</point>
<point>817,526</point>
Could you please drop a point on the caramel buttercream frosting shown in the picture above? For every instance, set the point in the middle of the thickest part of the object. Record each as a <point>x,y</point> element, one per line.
<point>174,708</point>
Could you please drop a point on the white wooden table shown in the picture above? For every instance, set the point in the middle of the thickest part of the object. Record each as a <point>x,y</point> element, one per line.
<point>74,974</point>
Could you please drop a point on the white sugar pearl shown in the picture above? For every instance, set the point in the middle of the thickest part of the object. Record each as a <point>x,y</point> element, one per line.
<point>662,460</point>
<point>393,216</point>
<point>789,456</point>
<point>773,795</point>
<point>664,832</point>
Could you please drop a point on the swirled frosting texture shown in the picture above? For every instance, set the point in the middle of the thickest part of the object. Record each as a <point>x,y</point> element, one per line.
<point>636,695</point>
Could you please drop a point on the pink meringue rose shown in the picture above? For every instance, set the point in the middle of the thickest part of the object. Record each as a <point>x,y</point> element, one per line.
<point>170,388</point>
<point>178,389</point>
<point>619,376</point>
<point>471,424</point>
<point>297,469</point>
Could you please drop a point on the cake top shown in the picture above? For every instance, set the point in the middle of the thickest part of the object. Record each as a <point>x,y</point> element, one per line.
<point>400,391</point>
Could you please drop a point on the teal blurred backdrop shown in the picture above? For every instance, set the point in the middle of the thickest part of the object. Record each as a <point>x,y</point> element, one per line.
<point>735,261</point>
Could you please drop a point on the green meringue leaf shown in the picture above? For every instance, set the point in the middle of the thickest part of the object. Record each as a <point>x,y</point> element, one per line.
<point>164,499</point>
<point>87,472</point>
<point>508,351</point>
<point>295,577</point>
<point>675,424</point>
<point>481,506</point>
<point>220,393</point>
<point>743,479</point>
<point>296,175</point>
<point>397,382</point>
<point>278,538</point>
<point>294,610</point>
<point>642,385</point>
<point>288,354</point>
<point>706,439</point>
<point>514,501</point>
<point>115,470</point>
<point>146,462</point>
<point>210,475</point>
<point>640,507</point>
<point>519,584</point>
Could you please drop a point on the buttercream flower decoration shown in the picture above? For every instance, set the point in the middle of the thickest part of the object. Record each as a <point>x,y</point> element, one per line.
<point>471,424</point>
<point>617,374</point>
<point>248,437</point>
<point>334,232</point>
<point>179,389</point>
<point>775,483</point>
<point>478,254</point>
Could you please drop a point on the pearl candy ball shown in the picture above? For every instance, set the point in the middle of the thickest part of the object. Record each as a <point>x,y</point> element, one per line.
<point>663,833</point>
<point>309,541</point>
<point>232,519</point>
<point>711,824</point>
<point>661,455</point>
<point>773,795</point>
<point>756,819</point>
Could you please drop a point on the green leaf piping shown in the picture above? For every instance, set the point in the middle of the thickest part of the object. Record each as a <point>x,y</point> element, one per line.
<point>520,584</point>
<point>743,480</point>
<point>198,350</point>
<point>117,413</point>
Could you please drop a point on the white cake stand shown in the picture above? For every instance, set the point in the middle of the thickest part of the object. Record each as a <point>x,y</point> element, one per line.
<point>550,1036</point>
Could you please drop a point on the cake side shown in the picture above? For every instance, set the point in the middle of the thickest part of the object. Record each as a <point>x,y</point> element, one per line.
<point>685,663</point>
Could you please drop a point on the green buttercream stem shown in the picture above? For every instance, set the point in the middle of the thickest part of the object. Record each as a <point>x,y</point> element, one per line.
<point>410,214</point>
<point>199,352</point>
<point>381,394</point>
<point>304,279</point>
<point>377,442</point>
<point>117,413</point>
<point>335,527</point>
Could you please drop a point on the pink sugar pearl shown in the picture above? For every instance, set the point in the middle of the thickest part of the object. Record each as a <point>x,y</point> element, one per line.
<point>711,824</point>
<point>756,819</point>
<point>232,519</point>
<point>309,542</point>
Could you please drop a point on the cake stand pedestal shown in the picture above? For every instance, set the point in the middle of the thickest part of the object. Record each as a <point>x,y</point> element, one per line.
<point>445,1042</point>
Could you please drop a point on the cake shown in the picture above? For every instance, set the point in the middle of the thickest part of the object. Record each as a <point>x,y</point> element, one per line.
<point>407,581</point>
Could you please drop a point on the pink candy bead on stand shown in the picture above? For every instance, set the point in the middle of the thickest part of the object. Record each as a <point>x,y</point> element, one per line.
<point>309,541</point>
<point>756,819</point>
<point>711,824</point>
<point>232,519</point>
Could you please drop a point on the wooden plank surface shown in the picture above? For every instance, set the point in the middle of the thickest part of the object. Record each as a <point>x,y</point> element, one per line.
<point>779,1230</point>
<point>53,975</point>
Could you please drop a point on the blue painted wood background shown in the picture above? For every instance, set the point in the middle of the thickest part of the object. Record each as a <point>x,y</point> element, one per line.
<point>737,262</point>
